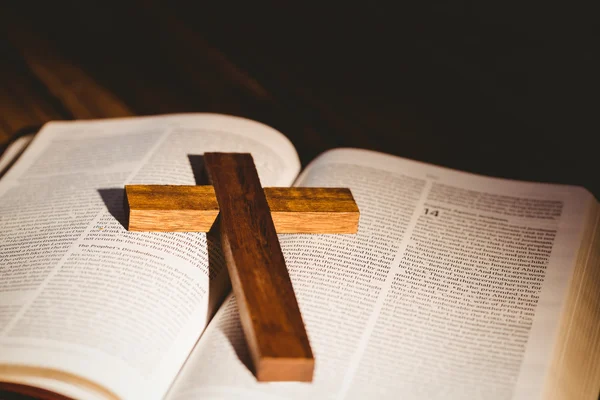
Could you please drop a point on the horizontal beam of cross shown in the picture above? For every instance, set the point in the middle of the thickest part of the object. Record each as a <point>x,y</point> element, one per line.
<point>169,208</point>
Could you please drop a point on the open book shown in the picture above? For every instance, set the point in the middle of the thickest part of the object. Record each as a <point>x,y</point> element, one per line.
<point>457,286</point>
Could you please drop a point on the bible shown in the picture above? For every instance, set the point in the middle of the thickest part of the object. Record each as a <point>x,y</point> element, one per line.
<point>456,286</point>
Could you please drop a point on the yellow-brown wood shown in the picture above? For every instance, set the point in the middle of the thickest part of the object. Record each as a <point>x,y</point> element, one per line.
<point>313,210</point>
<point>194,209</point>
<point>166,208</point>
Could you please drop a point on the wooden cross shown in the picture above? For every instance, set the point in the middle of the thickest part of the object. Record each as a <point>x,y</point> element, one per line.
<point>250,219</point>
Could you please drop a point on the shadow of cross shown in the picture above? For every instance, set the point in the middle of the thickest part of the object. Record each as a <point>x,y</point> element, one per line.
<point>249,220</point>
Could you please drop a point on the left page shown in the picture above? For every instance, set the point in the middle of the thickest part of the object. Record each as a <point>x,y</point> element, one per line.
<point>85,306</point>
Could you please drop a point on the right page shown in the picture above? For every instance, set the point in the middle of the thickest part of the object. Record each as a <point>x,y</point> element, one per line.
<point>452,288</point>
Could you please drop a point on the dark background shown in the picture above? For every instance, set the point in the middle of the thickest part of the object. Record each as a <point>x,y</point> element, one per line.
<point>498,88</point>
<point>503,89</point>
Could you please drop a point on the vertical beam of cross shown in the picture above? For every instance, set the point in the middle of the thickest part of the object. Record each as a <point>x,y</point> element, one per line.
<point>269,311</point>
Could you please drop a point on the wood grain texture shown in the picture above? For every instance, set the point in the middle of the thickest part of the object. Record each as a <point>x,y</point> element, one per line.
<point>194,209</point>
<point>167,208</point>
<point>24,105</point>
<point>313,210</point>
<point>76,90</point>
<point>268,309</point>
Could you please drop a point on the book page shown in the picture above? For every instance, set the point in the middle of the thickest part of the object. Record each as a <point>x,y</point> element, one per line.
<point>452,288</point>
<point>82,297</point>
